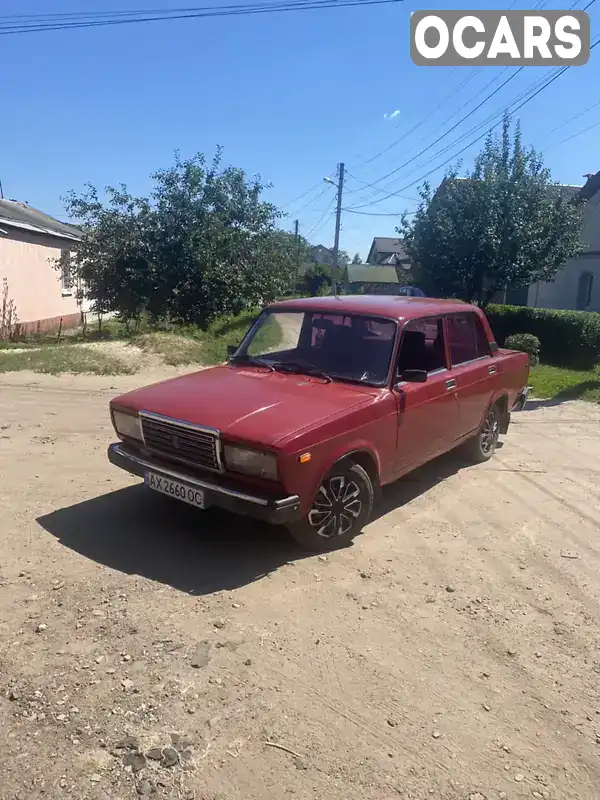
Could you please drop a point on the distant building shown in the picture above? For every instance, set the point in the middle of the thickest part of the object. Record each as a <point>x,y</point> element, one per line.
<point>577,283</point>
<point>31,243</point>
<point>388,252</point>
<point>321,255</point>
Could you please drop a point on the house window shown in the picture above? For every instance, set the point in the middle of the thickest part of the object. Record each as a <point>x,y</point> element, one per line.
<point>584,291</point>
<point>66,278</point>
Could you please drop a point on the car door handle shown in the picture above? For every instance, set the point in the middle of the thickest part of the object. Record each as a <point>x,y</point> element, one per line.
<point>493,370</point>
<point>450,384</point>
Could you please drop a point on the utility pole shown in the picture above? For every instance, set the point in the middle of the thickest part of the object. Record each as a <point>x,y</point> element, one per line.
<point>297,243</point>
<point>338,215</point>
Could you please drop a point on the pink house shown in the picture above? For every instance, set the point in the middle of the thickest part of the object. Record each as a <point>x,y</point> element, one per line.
<point>30,243</point>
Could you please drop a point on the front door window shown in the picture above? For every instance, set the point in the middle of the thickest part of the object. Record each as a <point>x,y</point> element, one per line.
<point>422,346</point>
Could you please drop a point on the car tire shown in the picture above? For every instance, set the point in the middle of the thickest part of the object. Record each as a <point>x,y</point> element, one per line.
<point>341,508</point>
<point>482,446</point>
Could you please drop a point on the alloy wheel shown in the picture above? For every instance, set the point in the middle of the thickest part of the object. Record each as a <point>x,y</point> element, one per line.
<point>490,432</point>
<point>337,505</point>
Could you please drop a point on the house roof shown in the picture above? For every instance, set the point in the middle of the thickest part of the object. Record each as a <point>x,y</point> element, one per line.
<point>19,215</point>
<point>364,273</point>
<point>390,246</point>
<point>390,306</point>
<point>592,186</point>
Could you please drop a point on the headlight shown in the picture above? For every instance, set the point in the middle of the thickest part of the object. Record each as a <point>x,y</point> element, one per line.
<point>127,425</point>
<point>250,462</point>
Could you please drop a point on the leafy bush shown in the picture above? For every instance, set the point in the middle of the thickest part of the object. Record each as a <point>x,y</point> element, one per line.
<point>318,280</point>
<point>204,244</point>
<point>567,338</point>
<point>525,343</point>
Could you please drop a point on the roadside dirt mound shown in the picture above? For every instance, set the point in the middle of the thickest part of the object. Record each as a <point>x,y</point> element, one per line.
<point>128,354</point>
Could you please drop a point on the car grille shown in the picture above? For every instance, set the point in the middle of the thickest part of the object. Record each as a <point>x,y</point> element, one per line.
<point>177,441</point>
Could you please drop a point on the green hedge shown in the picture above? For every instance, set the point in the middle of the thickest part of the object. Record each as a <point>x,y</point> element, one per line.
<point>568,338</point>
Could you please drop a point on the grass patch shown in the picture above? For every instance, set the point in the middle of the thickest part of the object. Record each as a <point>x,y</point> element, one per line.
<point>559,384</point>
<point>177,345</point>
<point>231,330</point>
<point>180,345</point>
<point>173,349</point>
<point>55,359</point>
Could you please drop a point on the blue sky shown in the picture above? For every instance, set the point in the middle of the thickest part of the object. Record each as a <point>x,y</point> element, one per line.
<point>287,95</point>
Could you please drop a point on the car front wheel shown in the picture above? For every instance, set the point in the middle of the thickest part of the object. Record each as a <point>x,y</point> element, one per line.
<point>342,506</point>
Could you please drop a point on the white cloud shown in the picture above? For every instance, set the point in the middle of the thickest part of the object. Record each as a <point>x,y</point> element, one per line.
<point>393,115</point>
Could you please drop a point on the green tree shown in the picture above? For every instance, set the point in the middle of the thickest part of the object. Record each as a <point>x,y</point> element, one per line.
<point>357,259</point>
<point>113,261</point>
<point>203,244</point>
<point>343,258</point>
<point>318,279</point>
<point>505,224</point>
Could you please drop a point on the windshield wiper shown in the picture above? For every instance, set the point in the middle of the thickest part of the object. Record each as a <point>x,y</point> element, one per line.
<point>252,361</point>
<point>297,368</point>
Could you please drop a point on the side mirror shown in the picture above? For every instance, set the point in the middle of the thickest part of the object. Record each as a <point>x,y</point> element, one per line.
<point>231,350</point>
<point>414,376</point>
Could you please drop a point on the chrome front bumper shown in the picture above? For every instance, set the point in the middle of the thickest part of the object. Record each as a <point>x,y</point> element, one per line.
<point>521,399</point>
<point>274,510</point>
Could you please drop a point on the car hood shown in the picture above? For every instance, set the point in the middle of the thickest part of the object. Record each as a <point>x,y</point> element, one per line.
<point>248,404</point>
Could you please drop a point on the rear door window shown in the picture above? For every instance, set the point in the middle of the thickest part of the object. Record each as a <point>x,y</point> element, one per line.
<point>466,338</point>
<point>481,340</point>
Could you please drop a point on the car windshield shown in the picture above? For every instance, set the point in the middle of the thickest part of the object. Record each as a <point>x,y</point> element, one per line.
<point>346,347</point>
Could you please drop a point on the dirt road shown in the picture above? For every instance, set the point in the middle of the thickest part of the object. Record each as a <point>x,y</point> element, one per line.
<point>453,652</point>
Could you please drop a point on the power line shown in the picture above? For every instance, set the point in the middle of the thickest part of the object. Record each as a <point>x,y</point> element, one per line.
<point>449,130</point>
<point>419,122</point>
<point>443,136</point>
<point>435,130</point>
<point>84,14</point>
<point>369,185</point>
<point>526,95</point>
<point>373,185</point>
<point>378,213</point>
<point>317,225</point>
<point>572,119</point>
<point>551,80</point>
<point>579,133</point>
<point>494,115</point>
<point>207,11</point>
<point>440,104</point>
<point>300,196</point>
<point>312,200</point>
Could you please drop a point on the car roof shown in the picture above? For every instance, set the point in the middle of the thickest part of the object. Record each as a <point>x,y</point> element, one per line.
<point>391,306</point>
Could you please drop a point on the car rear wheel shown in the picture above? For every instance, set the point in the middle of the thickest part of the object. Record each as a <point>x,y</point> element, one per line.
<point>342,506</point>
<point>482,446</point>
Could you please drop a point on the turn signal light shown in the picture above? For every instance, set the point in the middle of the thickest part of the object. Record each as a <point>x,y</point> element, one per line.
<point>305,458</point>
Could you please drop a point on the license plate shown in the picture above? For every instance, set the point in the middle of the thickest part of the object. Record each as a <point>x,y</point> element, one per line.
<point>177,489</point>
